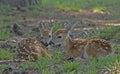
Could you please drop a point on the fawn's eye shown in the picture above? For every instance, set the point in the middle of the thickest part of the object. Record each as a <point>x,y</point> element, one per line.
<point>49,36</point>
<point>59,36</point>
<point>41,37</point>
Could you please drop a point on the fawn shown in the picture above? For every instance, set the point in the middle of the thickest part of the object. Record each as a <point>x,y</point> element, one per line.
<point>31,47</point>
<point>84,48</point>
<point>63,40</point>
<point>45,34</point>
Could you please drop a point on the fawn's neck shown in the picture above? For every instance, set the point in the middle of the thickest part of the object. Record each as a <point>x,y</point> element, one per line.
<point>69,43</point>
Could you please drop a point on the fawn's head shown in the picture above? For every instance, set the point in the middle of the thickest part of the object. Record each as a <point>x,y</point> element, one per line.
<point>45,34</point>
<point>61,35</point>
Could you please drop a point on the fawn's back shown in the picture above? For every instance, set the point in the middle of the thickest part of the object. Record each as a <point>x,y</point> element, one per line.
<point>31,47</point>
<point>97,47</point>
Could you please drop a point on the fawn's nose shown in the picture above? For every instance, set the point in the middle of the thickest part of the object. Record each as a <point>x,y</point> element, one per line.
<point>51,43</point>
<point>57,45</point>
<point>44,43</point>
<point>71,59</point>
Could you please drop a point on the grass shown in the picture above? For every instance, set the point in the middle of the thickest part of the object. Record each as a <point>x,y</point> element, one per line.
<point>5,54</point>
<point>99,9</point>
<point>44,63</point>
<point>56,27</point>
<point>111,6</point>
<point>35,10</point>
<point>70,67</point>
<point>5,21</point>
<point>97,66</point>
<point>73,5</point>
<point>5,9</point>
<point>3,24</point>
<point>109,32</point>
<point>47,71</point>
<point>3,66</point>
<point>5,34</point>
<point>117,47</point>
<point>113,68</point>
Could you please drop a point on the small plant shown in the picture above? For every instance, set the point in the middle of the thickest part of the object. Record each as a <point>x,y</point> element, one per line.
<point>113,68</point>
<point>56,27</point>
<point>5,8</point>
<point>99,9</point>
<point>47,71</point>
<point>25,66</point>
<point>100,63</point>
<point>3,66</point>
<point>117,47</point>
<point>70,67</point>
<point>35,10</point>
<point>117,36</point>
<point>4,54</point>
<point>5,34</point>
<point>2,24</point>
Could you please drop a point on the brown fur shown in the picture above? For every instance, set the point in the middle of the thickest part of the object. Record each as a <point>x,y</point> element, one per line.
<point>45,34</point>
<point>31,47</point>
<point>77,47</point>
<point>74,47</point>
<point>98,47</point>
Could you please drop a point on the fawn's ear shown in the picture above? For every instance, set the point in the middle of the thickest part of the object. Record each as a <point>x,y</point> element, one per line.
<point>51,31</point>
<point>69,28</point>
<point>41,27</point>
<point>66,26</point>
<point>50,35</point>
<point>51,22</point>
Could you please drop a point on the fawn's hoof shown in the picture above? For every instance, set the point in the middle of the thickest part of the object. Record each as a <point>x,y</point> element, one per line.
<point>71,59</point>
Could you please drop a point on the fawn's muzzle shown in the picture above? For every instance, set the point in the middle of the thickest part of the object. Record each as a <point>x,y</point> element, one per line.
<point>57,45</point>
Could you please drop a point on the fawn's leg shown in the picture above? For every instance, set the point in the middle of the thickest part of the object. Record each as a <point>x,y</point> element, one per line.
<point>35,56</point>
<point>71,59</point>
<point>45,53</point>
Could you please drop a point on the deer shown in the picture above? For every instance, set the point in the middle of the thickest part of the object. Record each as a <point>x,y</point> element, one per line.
<point>62,39</point>
<point>78,47</point>
<point>31,47</point>
<point>45,34</point>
